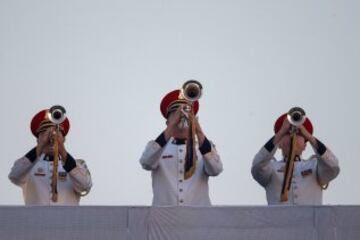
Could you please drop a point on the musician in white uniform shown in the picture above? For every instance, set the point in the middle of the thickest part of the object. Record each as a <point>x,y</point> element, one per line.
<point>175,181</point>
<point>310,177</point>
<point>33,172</point>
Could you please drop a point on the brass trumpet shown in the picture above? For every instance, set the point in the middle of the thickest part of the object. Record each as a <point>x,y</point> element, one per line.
<point>57,115</point>
<point>191,91</point>
<point>296,116</point>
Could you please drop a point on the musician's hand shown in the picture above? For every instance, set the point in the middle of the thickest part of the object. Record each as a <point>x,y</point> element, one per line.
<point>43,140</point>
<point>308,136</point>
<point>199,132</point>
<point>60,142</point>
<point>285,129</point>
<point>62,150</point>
<point>174,118</point>
<point>172,123</point>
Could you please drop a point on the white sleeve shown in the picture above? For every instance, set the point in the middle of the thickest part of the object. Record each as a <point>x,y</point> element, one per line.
<point>212,162</point>
<point>81,178</point>
<point>261,169</point>
<point>327,167</point>
<point>151,156</point>
<point>19,171</point>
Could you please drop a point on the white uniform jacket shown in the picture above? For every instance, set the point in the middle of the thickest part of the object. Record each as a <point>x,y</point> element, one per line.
<point>166,161</point>
<point>34,175</point>
<point>308,176</point>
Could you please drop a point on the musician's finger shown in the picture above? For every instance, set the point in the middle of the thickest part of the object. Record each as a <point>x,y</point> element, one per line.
<point>286,126</point>
<point>179,111</point>
<point>48,133</point>
<point>61,138</point>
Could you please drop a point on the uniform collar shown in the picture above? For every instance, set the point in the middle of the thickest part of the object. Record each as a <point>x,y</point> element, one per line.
<point>48,158</point>
<point>178,141</point>
<point>297,159</point>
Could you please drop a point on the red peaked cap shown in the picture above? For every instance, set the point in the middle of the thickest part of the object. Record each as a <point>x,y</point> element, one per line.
<point>41,121</point>
<point>279,122</point>
<point>171,100</point>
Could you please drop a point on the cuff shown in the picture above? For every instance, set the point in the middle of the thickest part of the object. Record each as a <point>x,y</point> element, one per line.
<point>70,163</point>
<point>321,147</point>
<point>205,147</point>
<point>161,140</point>
<point>31,155</point>
<point>270,145</point>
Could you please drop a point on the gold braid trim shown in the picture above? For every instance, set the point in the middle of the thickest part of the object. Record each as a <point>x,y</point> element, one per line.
<point>45,124</point>
<point>191,171</point>
<point>322,186</point>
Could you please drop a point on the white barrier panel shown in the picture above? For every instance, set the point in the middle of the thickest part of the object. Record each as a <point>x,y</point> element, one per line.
<point>180,223</point>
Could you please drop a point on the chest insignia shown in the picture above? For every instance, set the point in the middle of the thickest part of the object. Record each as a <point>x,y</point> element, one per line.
<point>62,176</point>
<point>40,172</point>
<point>281,169</point>
<point>306,172</point>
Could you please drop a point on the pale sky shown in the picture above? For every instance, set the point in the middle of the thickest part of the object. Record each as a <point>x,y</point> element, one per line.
<point>110,62</point>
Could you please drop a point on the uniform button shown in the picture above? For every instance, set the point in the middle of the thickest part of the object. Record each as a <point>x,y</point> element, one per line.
<point>180,150</point>
<point>180,180</point>
<point>295,196</point>
<point>181,171</point>
<point>181,161</point>
<point>295,187</point>
<point>181,201</point>
<point>180,190</point>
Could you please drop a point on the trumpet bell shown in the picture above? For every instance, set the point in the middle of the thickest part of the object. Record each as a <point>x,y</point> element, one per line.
<point>191,90</point>
<point>57,114</point>
<point>296,116</point>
